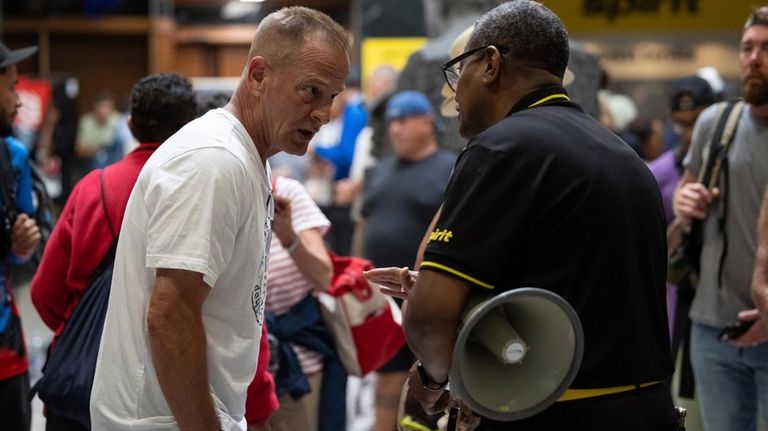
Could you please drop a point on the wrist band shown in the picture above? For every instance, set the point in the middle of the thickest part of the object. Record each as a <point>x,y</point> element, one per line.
<point>428,383</point>
<point>290,248</point>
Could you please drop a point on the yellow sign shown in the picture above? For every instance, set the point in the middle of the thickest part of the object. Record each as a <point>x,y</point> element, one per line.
<point>600,16</point>
<point>388,51</point>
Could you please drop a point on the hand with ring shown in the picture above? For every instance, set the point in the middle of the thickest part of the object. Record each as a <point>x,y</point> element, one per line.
<point>392,281</point>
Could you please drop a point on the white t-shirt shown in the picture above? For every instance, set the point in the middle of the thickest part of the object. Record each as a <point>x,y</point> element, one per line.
<point>286,284</point>
<point>202,203</point>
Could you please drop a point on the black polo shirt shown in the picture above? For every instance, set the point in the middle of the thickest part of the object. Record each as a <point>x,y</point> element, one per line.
<point>550,198</point>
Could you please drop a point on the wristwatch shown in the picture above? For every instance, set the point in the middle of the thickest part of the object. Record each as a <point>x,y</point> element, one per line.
<point>427,382</point>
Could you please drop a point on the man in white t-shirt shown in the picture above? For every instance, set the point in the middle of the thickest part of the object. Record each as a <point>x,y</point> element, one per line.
<point>182,330</point>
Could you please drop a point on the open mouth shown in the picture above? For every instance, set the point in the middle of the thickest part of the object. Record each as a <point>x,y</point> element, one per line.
<point>306,133</point>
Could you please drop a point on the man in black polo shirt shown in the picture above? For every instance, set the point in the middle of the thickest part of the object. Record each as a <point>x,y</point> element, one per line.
<point>545,196</point>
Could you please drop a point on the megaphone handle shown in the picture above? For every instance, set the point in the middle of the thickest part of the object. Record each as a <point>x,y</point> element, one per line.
<point>453,415</point>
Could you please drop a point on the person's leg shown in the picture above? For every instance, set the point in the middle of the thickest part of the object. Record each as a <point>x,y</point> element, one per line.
<point>290,416</point>
<point>758,361</point>
<point>14,399</point>
<point>389,386</point>
<point>311,401</point>
<point>724,383</point>
<point>301,414</point>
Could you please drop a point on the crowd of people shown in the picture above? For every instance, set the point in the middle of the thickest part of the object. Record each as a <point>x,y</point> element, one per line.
<point>219,222</point>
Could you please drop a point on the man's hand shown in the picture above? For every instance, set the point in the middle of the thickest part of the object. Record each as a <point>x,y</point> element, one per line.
<point>692,201</point>
<point>346,190</point>
<point>281,224</point>
<point>25,236</point>
<point>757,334</point>
<point>420,405</point>
<point>760,294</point>
<point>393,281</point>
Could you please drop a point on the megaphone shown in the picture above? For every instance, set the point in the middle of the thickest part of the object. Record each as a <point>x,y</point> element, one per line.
<point>516,353</point>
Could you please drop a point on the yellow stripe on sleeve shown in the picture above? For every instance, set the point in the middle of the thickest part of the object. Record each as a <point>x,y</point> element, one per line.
<point>427,264</point>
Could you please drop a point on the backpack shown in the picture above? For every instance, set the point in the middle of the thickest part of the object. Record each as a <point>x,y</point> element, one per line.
<point>44,211</point>
<point>65,386</point>
<point>44,207</point>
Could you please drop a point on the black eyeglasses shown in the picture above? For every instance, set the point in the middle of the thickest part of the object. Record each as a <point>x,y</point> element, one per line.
<point>452,75</point>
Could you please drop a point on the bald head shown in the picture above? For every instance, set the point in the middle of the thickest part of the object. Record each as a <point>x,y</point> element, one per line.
<point>281,35</point>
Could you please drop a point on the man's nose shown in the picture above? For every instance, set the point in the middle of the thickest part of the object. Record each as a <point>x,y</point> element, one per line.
<point>323,113</point>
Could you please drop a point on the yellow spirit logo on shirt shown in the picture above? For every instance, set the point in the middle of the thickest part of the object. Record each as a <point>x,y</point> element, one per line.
<point>443,235</point>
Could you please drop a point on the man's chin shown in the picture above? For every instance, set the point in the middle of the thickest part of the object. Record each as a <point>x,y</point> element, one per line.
<point>755,92</point>
<point>296,149</point>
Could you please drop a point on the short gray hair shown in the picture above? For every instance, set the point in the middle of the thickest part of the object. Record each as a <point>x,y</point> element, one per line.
<point>281,33</point>
<point>534,35</point>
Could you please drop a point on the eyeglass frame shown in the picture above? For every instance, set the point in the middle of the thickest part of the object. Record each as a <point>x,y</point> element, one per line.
<point>463,56</point>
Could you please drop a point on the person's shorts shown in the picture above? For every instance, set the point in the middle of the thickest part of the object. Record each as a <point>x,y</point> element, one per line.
<point>401,362</point>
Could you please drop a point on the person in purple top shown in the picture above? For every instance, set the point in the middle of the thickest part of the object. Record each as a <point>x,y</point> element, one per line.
<point>689,97</point>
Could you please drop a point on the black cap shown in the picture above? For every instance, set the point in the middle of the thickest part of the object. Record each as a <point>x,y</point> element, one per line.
<point>691,92</point>
<point>8,57</point>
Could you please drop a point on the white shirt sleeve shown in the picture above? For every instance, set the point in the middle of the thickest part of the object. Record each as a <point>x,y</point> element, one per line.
<point>193,203</point>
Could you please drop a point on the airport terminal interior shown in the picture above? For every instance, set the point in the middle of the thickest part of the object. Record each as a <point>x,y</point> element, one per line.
<point>630,63</point>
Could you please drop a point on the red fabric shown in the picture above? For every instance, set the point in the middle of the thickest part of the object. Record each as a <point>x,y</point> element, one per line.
<point>82,237</point>
<point>366,315</point>
<point>262,400</point>
<point>11,364</point>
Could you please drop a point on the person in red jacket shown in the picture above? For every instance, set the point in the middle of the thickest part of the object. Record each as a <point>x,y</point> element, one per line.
<point>160,105</point>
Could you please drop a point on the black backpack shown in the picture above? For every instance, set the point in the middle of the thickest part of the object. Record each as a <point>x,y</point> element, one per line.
<point>44,214</point>
<point>65,386</point>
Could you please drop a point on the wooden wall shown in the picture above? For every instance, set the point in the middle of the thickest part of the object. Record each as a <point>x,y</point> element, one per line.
<point>111,54</point>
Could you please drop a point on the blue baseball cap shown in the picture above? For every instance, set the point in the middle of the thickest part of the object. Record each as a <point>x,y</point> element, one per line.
<point>408,104</point>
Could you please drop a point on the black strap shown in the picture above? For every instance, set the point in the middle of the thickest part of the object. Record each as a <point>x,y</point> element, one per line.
<point>110,256</point>
<point>721,222</point>
<point>8,181</point>
<point>104,205</point>
<point>714,145</point>
<point>716,167</point>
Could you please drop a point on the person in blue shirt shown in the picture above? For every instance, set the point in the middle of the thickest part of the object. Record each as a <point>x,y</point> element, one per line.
<point>19,236</point>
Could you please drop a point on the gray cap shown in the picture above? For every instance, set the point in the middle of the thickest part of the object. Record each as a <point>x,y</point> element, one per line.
<point>8,57</point>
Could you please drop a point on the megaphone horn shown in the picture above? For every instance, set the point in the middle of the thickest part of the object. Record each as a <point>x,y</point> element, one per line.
<point>516,353</point>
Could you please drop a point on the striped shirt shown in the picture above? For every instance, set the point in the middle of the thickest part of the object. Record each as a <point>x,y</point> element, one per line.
<point>286,284</point>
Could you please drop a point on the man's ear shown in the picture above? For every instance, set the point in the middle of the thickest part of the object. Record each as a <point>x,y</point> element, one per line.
<point>493,65</point>
<point>129,122</point>
<point>257,71</point>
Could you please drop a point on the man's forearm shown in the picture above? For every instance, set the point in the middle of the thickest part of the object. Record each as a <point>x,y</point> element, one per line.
<point>178,342</point>
<point>178,353</point>
<point>430,325</point>
<point>432,343</point>
<point>760,274</point>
